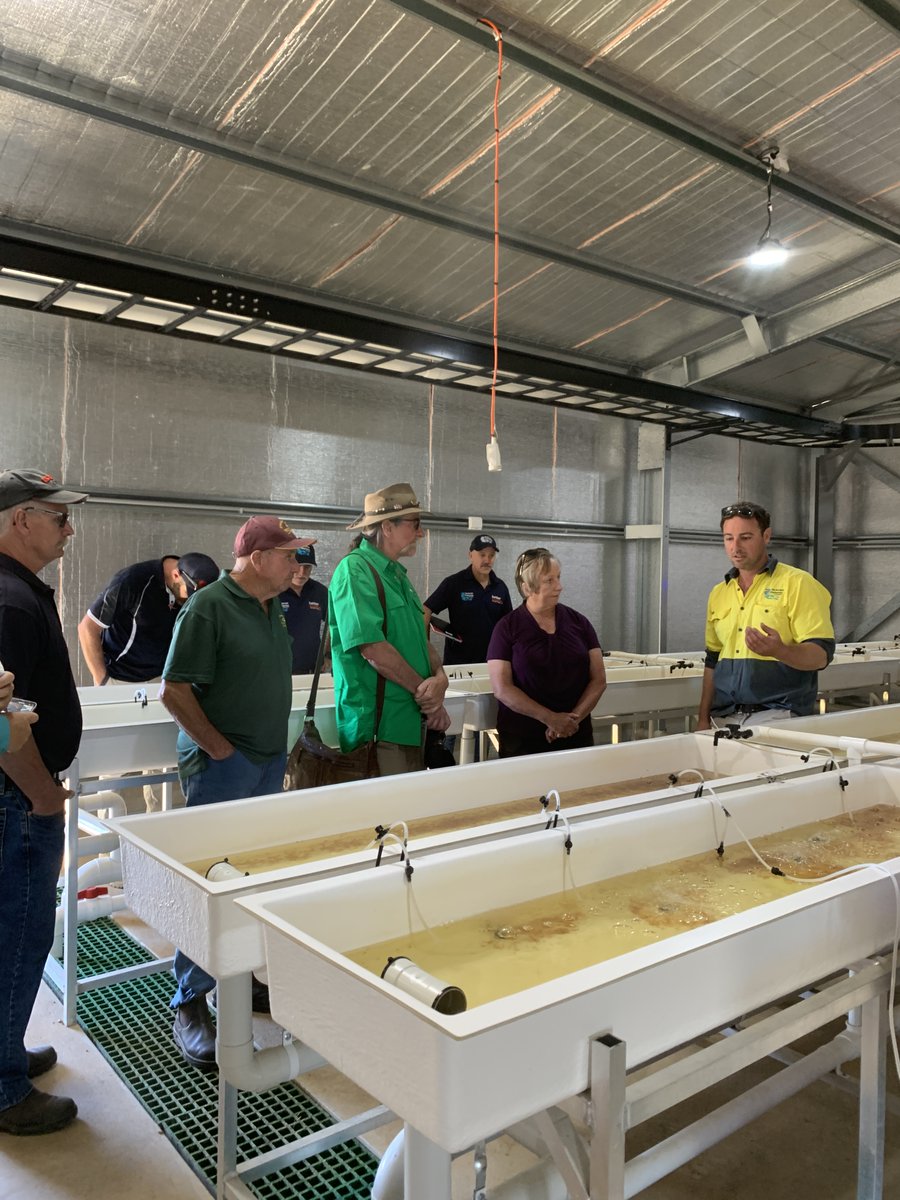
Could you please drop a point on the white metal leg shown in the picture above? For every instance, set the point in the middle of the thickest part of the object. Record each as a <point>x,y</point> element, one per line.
<point>608,1110</point>
<point>426,1168</point>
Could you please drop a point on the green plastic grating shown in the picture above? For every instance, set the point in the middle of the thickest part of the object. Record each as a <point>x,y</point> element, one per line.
<point>131,1024</point>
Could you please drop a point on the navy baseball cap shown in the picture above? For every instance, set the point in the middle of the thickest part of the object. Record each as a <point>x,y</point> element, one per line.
<point>305,555</point>
<point>484,541</point>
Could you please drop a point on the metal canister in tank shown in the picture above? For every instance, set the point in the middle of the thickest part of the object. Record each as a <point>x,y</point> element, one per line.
<point>443,997</point>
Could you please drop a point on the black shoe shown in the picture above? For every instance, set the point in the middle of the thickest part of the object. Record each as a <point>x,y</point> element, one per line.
<point>40,1060</point>
<point>260,997</point>
<point>38,1113</point>
<point>195,1034</point>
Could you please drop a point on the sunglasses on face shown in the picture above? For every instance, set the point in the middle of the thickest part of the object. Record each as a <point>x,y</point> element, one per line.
<point>61,519</point>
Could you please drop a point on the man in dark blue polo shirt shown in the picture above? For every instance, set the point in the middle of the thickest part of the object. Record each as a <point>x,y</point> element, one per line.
<point>35,525</point>
<point>305,607</point>
<point>476,600</point>
<point>126,632</point>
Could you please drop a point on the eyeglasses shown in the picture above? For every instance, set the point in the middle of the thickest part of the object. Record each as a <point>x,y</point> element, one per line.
<point>62,519</point>
<point>414,521</point>
<point>742,510</point>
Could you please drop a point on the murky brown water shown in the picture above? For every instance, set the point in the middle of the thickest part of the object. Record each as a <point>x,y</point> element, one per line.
<point>503,951</point>
<point>291,854</point>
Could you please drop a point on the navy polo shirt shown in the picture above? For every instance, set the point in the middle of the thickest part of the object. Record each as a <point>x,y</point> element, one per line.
<point>137,616</point>
<point>304,615</point>
<point>33,647</point>
<point>473,611</point>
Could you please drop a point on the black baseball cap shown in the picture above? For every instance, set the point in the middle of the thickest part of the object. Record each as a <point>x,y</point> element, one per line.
<point>18,486</point>
<point>197,570</point>
<point>484,541</point>
<point>305,555</point>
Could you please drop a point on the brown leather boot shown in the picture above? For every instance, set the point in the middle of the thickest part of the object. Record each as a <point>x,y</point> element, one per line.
<point>195,1034</point>
<point>38,1113</point>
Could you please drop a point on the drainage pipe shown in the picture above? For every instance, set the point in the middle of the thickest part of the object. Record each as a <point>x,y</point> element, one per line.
<point>88,910</point>
<point>243,1067</point>
<point>97,843</point>
<point>100,871</point>
<point>673,1152</point>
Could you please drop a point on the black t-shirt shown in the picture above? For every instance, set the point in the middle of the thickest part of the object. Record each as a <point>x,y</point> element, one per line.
<point>32,645</point>
<point>473,611</point>
<point>137,616</point>
<point>304,615</point>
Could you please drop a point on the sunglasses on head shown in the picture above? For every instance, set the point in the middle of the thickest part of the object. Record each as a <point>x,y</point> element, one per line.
<point>537,552</point>
<point>742,510</point>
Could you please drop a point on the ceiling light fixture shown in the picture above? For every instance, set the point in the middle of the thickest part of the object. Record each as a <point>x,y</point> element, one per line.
<point>769,252</point>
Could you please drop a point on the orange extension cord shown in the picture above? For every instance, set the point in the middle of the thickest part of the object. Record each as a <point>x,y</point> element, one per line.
<point>498,37</point>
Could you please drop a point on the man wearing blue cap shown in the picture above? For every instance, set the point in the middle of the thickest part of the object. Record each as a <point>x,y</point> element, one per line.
<point>305,608</point>
<point>475,599</point>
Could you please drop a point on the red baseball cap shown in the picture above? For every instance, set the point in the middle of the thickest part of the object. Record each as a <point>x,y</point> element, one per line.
<point>267,533</point>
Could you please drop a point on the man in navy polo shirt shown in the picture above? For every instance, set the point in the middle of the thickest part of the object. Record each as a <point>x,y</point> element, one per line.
<point>476,600</point>
<point>305,607</point>
<point>125,634</point>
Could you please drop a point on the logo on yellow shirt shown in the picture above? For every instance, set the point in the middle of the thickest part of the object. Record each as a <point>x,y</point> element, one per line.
<point>772,593</point>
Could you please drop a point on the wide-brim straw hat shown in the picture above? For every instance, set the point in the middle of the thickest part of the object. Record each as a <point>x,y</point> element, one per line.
<point>398,500</point>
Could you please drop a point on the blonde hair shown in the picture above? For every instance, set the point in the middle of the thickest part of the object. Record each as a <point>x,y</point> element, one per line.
<point>531,567</point>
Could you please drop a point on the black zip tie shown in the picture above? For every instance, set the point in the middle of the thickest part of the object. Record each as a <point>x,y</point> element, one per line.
<point>673,779</point>
<point>408,872</point>
<point>844,783</point>
<point>543,801</point>
<point>778,871</point>
<point>568,844</point>
<point>380,832</point>
<point>698,795</point>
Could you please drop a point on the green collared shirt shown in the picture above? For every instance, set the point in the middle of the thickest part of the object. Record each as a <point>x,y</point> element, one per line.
<point>237,656</point>
<point>355,619</point>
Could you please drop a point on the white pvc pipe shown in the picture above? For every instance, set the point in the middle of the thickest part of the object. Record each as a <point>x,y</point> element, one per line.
<point>245,1068</point>
<point>88,910</point>
<point>673,1152</point>
<point>854,746</point>
<point>97,843</point>
<point>98,872</point>
<point>111,801</point>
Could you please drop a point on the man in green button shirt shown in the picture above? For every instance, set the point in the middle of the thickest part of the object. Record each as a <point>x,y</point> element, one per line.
<point>366,643</point>
<point>227,682</point>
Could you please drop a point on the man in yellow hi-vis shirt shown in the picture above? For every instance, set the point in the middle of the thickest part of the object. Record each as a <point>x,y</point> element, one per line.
<point>768,629</point>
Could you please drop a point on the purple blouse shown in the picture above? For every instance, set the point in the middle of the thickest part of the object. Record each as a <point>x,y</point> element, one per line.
<point>551,668</point>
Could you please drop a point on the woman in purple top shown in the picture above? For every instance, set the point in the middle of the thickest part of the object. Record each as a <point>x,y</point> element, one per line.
<point>546,665</point>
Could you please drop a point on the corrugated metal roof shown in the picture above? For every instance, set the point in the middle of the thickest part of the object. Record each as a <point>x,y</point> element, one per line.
<point>344,148</point>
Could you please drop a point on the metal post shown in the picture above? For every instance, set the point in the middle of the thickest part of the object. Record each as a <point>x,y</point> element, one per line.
<point>608,1110</point>
<point>870,1174</point>
<point>426,1168</point>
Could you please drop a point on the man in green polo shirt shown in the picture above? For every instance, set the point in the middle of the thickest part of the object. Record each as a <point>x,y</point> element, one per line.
<point>368,640</point>
<point>227,682</point>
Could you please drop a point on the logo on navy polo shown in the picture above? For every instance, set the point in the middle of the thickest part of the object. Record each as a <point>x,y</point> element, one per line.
<point>316,605</point>
<point>496,599</point>
<point>467,595</point>
<point>285,606</point>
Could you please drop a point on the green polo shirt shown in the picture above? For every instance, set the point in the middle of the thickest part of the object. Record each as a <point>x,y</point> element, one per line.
<point>238,658</point>
<point>355,618</point>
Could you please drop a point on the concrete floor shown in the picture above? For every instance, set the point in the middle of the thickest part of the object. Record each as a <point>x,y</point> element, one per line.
<point>805,1149</point>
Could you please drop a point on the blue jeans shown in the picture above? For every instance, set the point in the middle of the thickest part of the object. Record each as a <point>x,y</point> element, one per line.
<point>31,853</point>
<point>234,778</point>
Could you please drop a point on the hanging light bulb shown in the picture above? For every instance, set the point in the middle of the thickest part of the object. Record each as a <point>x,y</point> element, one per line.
<point>769,251</point>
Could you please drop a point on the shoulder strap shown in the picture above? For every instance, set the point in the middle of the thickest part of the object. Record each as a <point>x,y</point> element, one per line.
<point>379,688</point>
<point>320,658</point>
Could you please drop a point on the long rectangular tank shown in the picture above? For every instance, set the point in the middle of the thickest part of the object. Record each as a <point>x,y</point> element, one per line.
<point>202,918</point>
<point>459,1078</point>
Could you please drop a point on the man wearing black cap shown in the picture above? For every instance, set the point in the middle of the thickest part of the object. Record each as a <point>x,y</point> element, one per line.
<point>34,527</point>
<point>125,634</point>
<point>476,600</point>
<point>305,607</point>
